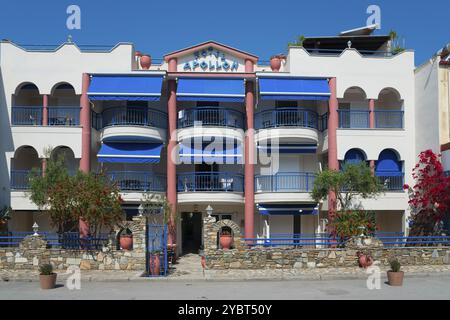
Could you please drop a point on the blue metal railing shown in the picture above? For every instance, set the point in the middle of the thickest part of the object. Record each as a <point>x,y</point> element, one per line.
<point>323,122</point>
<point>20,179</point>
<point>210,182</point>
<point>392,183</point>
<point>26,116</point>
<point>389,119</point>
<point>287,117</point>
<point>130,116</point>
<point>354,119</point>
<point>64,116</point>
<point>402,241</point>
<point>138,181</point>
<point>285,182</point>
<point>210,116</point>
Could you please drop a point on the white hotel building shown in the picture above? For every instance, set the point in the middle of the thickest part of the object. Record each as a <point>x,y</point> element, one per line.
<point>334,99</point>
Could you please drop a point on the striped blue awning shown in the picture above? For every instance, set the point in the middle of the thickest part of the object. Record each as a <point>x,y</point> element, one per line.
<point>206,89</point>
<point>125,87</point>
<point>220,153</point>
<point>290,148</point>
<point>288,209</point>
<point>130,152</point>
<point>291,88</point>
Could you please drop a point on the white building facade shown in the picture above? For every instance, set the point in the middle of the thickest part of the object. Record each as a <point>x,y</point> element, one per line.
<point>106,111</point>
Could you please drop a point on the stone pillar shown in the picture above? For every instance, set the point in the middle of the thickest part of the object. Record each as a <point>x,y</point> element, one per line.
<point>372,113</point>
<point>45,110</point>
<point>249,162</point>
<point>333,162</point>
<point>85,121</point>
<point>171,165</point>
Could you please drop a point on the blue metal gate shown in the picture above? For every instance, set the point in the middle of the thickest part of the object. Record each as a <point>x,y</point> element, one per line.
<point>157,262</point>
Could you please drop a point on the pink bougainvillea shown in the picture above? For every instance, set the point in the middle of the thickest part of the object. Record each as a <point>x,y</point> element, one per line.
<point>430,196</point>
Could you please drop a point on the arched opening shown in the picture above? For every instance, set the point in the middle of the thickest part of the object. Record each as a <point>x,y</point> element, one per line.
<point>64,106</point>
<point>27,106</point>
<point>26,160</point>
<point>389,109</point>
<point>66,154</point>
<point>354,109</point>
<point>389,169</point>
<point>225,237</point>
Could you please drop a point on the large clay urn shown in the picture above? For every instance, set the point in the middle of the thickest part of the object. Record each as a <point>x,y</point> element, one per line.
<point>146,61</point>
<point>275,63</point>
<point>155,264</point>
<point>126,242</point>
<point>225,241</point>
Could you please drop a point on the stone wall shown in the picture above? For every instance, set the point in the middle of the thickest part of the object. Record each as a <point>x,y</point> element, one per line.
<point>244,257</point>
<point>34,251</point>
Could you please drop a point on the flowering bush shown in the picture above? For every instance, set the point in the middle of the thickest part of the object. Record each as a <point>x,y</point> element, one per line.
<point>429,198</point>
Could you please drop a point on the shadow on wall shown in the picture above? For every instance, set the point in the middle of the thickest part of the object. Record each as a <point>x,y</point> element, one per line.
<point>6,145</point>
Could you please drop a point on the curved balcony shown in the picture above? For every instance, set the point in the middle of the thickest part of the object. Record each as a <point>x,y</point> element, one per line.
<point>288,124</point>
<point>138,181</point>
<point>122,123</point>
<point>214,121</point>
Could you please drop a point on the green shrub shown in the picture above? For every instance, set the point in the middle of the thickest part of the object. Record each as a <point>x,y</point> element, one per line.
<point>395,265</point>
<point>46,269</point>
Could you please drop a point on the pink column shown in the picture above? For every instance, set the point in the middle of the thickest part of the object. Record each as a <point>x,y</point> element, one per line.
<point>372,166</point>
<point>172,65</point>
<point>85,121</point>
<point>249,66</point>
<point>249,162</point>
<point>372,113</point>
<point>333,162</point>
<point>45,111</point>
<point>171,165</point>
<point>44,166</point>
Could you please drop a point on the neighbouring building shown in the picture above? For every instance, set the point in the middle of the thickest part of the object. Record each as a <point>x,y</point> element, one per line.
<point>335,99</point>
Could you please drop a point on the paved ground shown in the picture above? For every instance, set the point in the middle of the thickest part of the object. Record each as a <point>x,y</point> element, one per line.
<point>433,288</point>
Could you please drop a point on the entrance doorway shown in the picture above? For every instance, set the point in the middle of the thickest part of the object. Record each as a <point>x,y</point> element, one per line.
<point>191,231</point>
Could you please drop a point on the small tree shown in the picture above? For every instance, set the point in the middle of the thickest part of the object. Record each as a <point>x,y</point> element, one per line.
<point>154,206</point>
<point>429,197</point>
<point>352,181</point>
<point>298,42</point>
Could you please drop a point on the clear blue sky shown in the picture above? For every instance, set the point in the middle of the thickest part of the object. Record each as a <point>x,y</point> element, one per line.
<point>260,27</point>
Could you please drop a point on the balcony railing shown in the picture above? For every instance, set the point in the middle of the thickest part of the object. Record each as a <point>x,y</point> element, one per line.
<point>285,182</point>
<point>392,183</point>
<point>20,179</point>
<point>209,116</point>
<point>27,116</point>
<point>64,116</point>
<point>287,117</point>
<point>126,116</point>
<point>138,181</point>
<point>389,119</point>
<point>323,122</point>
<point>210,182</point>
<point>354,119</point>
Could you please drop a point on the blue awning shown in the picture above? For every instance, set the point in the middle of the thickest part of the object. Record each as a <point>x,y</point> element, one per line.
<point>202,89</point>
<point>289,88</point>
<point>290,148</point>
<point>220,153</point>
<point>288,209</point>
<point>125,87</point>
<point>130,152</point>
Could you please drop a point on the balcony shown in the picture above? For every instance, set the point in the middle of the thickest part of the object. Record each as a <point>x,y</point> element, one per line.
<point>138,181</point>
<point>20,180</point>
<point>64,116</point>
<point>210,182</point>
<point>287,117</point>
<point>285,182</point>
<point>392,183</point>
<point>212,117</point>
<point>354,119</point>
<point>27,116</point>
<point>389,119</point>
<point>119,123</point>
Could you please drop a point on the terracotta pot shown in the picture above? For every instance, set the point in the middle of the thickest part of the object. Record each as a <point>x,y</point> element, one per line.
<point>395,278</point>
<point>126,242</point>
<point>275,64</point>
<point>138,54</point>
<point>48,282</point>
<point>155,265</point>
<point>365,261</point>
<point>146,62</point>
<point>225,241</point>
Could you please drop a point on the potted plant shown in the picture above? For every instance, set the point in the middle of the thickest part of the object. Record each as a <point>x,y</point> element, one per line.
<point>226,239</point>
<point>126,239</point>
<point>47,277</point>
<point>146,61</point>
<point>395,276</point>
<point>275,62</point>
<point>155,263</point>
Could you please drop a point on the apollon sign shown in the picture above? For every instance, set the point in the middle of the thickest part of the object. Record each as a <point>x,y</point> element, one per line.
<point>210,60</point>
